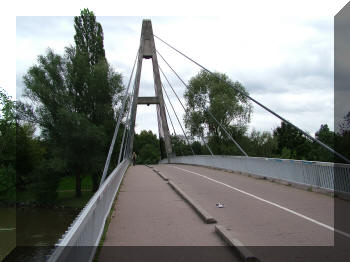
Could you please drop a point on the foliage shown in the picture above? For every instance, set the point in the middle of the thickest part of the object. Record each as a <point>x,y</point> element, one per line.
<point>89,36</point>
<point>292,144</point>
<point>212,95</point>
<point>215,94</point>
<point>74,101</point>
<point>262,144</point>
<point>328,138</point>
<point>146,147</point>
<point>197,147</point>
<point>7,148</point>
<point>30,152</point>
<point>21,153</point>
<point>46,181</point>
<point>290,138</point>
<point>7,184</point>
<point>180,146</point>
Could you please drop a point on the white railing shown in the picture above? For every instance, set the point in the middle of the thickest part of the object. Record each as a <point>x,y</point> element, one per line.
<point>325,175</point>
<point>80,241</point>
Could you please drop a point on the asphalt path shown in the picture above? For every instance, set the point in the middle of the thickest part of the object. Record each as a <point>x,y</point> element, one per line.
<point>274,220</point>
<point>152,223</point>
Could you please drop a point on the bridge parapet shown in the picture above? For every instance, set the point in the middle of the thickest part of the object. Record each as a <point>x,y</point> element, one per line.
<point>330,177</point>
<point>80,241</point>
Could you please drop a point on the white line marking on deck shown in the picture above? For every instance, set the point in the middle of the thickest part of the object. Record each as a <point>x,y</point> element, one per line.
<point>271,203</point>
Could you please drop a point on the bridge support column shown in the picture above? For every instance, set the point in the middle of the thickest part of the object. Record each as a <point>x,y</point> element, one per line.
<point>147,50</point>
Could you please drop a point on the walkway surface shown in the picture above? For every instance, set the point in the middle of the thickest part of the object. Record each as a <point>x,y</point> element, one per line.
<point>272,219</point>
<point>148,213</point>
<point>275,222</point>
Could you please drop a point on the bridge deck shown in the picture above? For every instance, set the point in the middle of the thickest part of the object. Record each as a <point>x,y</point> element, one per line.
<point>149,213</point>
<point>270,218</point>
<point>263,214</point>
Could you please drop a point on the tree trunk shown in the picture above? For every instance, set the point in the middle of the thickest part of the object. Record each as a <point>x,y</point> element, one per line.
<point>95,184</point>
<point>77,185</point>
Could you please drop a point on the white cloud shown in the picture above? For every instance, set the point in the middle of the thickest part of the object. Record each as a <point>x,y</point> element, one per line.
<point>281,51</point>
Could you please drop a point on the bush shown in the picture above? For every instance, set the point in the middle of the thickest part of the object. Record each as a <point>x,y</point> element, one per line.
<point>47,178</point>
<point>7,184</point>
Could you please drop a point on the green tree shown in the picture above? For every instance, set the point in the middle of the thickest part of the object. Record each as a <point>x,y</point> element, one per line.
<point>7,148</point>
<point>290,139</point>
<point>30,152</point>
<point>74,101</point>
<point>197,147</point>
<point>146,146</point>
<point>21,153</point>
<point>262,144</point>
<point>89,37</point>
<point>232,110</point>
<point>178,145</point>
<point>319,153</point>
<point>102,87</point>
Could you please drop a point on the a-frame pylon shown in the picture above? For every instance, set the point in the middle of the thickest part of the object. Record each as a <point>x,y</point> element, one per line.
<point>147,50</point>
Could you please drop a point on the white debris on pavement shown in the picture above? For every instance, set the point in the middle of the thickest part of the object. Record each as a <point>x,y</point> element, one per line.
<point>219,205</point>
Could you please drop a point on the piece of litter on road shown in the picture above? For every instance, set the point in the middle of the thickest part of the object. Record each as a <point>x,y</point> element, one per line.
<point>219,205</point>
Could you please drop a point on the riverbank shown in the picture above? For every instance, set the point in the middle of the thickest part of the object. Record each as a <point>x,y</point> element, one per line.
<point>65,196</point>
<point>35,228</point>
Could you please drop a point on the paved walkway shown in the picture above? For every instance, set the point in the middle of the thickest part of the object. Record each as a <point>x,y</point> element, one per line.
<point>148,213</point>
<point>271,218</point>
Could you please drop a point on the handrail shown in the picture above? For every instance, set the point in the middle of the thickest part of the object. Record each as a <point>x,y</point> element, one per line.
<point>334,177</point>
<point>80,241</point>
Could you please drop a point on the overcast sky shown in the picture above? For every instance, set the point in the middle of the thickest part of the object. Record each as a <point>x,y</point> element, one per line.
<point>281,51</point>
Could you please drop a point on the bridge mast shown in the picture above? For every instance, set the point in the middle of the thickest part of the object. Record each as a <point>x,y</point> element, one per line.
<point>147,50</point>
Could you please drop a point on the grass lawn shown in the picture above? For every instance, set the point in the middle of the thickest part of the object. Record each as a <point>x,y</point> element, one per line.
<point>68,183</point>
<point>66,192</point>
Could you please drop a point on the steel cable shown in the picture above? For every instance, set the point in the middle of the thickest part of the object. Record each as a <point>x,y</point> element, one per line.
<point>234,141</point>
<point>166,109</point>
<point>182,104</point>
<point>183,131</point>
<point>117,127</point>
<point>261,105</point>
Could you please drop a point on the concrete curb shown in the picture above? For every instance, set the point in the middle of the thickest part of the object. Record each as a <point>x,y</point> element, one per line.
<point>161,175</point>
<point>207,218</point>
<point>242,251</point>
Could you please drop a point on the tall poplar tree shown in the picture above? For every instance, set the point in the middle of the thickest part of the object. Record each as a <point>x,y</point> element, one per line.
<point>92,74</point>
<point>74,101</point>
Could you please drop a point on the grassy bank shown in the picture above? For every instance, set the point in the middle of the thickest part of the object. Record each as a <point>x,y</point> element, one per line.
<point>66,193</point>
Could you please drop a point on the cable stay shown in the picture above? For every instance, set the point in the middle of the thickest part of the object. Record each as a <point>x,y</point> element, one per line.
<point>261,105</point>
<point>183,131</point>
<point>117,127</point>
<point>127,143</point>
<point>122,144</point>
<point>183,106</point>
<point>171,121</point>
<point>183,82</point>
<point>126,127</point>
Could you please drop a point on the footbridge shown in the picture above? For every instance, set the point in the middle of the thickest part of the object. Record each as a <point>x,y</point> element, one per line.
<point>208,207</point>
